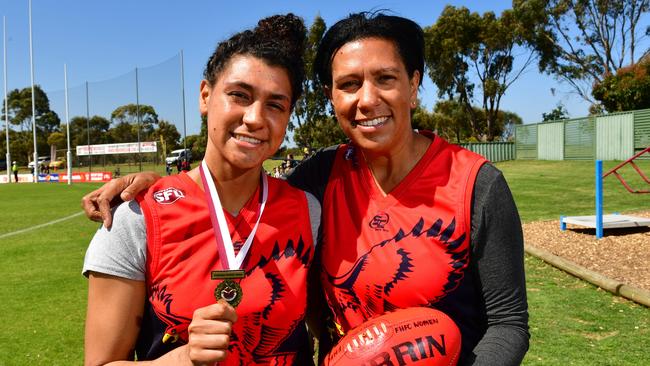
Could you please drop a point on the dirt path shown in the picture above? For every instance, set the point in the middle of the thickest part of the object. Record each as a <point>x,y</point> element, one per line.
<point>622,254</point>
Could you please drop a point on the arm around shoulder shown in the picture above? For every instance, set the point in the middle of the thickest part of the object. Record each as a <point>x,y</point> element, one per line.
<point>312,174</point>
<point>97,204</point>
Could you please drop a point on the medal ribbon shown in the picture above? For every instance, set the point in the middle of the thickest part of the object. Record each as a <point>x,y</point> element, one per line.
<point>229,260</point>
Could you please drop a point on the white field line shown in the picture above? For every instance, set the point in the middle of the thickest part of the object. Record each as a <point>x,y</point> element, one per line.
<point>39,226</point>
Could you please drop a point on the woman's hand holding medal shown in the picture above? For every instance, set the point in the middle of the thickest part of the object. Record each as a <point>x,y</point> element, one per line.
<point>209,333</point>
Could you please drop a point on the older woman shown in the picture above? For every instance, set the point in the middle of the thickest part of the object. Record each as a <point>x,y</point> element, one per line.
<point>408,219</point>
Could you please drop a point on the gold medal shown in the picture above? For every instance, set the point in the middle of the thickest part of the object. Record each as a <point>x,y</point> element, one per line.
<point>228,289</point>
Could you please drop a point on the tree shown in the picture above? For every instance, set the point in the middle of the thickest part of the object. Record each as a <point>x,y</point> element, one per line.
<point>313,102</point>
<point>312,107</point>
<point>169,134</point>
<point>628,89</point>
<point>19,112</point>
<point>128,114</point>
<point>319,133</point>
<point>462,47</point>
<point>48,122</point>
<point>98,130</point>
<point>421,119</point>
<point>581,42</point>
<point>168,138</point>
<point>556,114</point>
<point>449,120</point>
<point>194,144</point>
<point>56,139</point>
<point>453,120</point>
<point>123,132</point>
<point>508,121</point>
<point>19,103</point>
<point>20,144</point>
<point>198,143</point>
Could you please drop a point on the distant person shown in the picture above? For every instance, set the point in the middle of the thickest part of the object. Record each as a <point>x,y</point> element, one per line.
<point>283,169</point>
<point>14,168</point>
<point>290,162</point>
<point>306,153</point>
<point>185,165</point>
<point>168,169</point>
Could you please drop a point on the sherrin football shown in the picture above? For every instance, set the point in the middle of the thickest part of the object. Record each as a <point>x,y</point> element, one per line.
<point>412,336</point>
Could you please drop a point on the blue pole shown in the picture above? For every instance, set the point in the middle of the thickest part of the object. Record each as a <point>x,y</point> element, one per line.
<point>599,199</point>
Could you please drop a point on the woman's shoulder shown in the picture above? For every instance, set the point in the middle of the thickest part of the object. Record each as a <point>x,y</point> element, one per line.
<point>312,174</point>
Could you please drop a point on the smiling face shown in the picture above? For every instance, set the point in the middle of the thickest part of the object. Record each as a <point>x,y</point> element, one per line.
<point>248,110</point>
<point>373,95</point>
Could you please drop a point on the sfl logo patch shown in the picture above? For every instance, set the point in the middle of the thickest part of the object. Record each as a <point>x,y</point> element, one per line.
<point>379,221</point>
<point>168,196</point>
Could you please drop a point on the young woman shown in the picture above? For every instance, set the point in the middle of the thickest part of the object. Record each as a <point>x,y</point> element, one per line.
<point>166,278</point>
<point>408,219</point>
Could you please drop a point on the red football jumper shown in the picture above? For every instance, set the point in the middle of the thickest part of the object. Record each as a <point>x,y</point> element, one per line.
<point>182,251</point>
<point>407,248</point>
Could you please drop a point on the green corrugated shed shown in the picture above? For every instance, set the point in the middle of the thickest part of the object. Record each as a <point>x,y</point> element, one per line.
<point>550,141</point>
<point>579,139</point>
<point>526,141</point>
<point>642,131</point>
<point>493,151</point>
<point>615,136</point>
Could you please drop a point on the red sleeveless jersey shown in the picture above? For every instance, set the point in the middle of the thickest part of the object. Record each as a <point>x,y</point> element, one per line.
<point>182,251</point>
<point>408,248</point>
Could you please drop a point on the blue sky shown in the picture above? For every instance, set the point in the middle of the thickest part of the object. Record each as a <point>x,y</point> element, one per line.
<point>102,42</point>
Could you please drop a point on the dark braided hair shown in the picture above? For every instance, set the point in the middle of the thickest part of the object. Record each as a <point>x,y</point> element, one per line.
<point>406,35</point>
<point>279,40</point>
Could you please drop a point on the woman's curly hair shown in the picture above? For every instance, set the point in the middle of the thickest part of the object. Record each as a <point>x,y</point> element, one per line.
<point>279,40</point>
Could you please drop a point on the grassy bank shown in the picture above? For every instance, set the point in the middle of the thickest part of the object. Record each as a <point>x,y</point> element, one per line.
<point>572,323</point>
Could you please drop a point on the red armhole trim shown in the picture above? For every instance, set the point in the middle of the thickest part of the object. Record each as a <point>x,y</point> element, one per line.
<point>152,222</point>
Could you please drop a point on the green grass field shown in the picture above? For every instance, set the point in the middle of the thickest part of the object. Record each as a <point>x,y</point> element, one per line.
<point>572,322</point>
<point>548,189</point>
<point>43,292</point>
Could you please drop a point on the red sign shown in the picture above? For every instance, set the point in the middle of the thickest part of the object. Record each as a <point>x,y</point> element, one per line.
<point>87,177</point>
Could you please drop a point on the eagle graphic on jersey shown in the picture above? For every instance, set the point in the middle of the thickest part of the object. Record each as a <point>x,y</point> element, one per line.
<point>258,334</point>
<point>257,337</point>
<point>401,271</point>
<point>176,325</point>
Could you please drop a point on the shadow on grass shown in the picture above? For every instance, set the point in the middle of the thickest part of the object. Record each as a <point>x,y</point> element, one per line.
<point>616,232</point>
